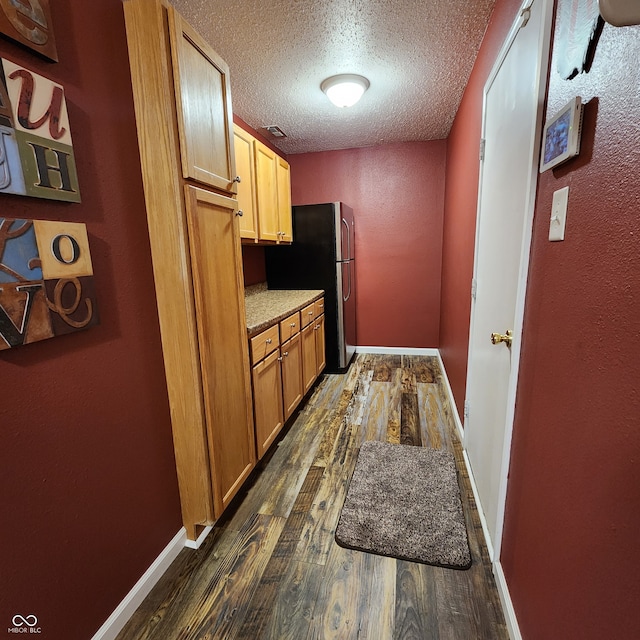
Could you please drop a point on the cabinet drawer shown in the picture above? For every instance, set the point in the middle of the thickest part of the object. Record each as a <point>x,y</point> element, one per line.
<point>264,343</point>
<point>289,326</point>
<point>318,309</point>
<point>308,314</point>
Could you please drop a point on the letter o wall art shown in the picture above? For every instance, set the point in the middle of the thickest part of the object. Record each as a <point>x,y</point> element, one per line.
<point>36,151</point>
<point>46,281</point>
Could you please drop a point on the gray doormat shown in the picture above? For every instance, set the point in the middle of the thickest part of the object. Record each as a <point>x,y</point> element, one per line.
<point>404,502</point>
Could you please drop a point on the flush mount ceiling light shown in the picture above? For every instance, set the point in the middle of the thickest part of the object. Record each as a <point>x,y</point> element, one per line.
<point>345,89</point>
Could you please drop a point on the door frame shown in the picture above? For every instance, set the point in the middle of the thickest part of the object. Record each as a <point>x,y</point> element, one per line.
<point>544,46</point>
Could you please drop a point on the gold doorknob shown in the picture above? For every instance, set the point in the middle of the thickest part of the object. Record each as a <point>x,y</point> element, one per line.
<point>507,338</point>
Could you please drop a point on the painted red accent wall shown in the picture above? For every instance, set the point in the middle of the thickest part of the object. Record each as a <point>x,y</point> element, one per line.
<point>88,486</point>
<point>460,204</point>
<point>570,551</point>
<point>397,193</point>
<point>253,261</point>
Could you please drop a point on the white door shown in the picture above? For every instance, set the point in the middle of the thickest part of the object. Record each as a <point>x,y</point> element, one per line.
<point>513,99</point>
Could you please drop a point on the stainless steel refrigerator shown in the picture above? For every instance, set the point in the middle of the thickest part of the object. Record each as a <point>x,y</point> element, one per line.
<point>322,256</point>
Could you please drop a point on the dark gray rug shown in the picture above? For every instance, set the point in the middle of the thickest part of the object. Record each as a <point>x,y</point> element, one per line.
<point>404,502</point>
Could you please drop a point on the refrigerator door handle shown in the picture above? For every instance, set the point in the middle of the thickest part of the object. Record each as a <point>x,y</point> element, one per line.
<point>345,298</point>
<point>346,224</point>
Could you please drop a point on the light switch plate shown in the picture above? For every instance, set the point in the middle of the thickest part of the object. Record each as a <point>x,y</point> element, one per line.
<point>558,214</point>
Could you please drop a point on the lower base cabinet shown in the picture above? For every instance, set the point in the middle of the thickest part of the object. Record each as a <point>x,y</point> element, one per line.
<point>267,400</point>
<point>286,363</point>
<point>313,352</point>
<point>292,390</point>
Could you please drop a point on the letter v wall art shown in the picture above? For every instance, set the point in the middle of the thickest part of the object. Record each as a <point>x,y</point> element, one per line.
<point>36,151</point>
<point>46,281</point>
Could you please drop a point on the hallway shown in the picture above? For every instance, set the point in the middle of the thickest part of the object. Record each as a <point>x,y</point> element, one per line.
<point>271,569</point>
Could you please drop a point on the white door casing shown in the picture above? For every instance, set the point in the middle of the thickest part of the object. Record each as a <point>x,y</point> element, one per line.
<point>511,130</point>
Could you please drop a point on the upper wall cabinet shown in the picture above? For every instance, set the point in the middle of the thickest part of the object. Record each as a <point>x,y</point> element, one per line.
<point>243,144</point>
<point>285,222</point>
<point>203,101</point>
<point>264,191</point>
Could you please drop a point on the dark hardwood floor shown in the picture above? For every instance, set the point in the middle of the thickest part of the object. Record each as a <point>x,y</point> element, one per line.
<point>271,568</point>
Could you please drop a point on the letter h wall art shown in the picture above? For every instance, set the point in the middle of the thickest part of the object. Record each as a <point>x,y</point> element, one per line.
<point>46,276</point>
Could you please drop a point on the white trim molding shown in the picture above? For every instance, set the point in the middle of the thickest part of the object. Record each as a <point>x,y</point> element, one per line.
<point>401,351</point>
<point>501,581</point>
<point>195,544</point>
<point>116,621</point>
<point>452,402</point>
<point>507,605</point>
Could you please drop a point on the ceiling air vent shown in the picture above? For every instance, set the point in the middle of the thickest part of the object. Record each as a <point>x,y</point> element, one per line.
<point>276,132</point>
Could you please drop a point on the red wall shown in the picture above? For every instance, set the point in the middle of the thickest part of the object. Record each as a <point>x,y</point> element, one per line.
<point>254,266</point>
<point>570,551</point>
<point>396,192</point>
<point>460,205</point>
<point>88,485</point>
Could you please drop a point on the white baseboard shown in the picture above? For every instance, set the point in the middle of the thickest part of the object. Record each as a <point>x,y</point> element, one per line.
<point>476,496</point>
<point>452,402</point>
<point>116,621</point>
<point>501,581</point>
<point>401,351</point>
<point>474,488</point>
<point>507,605</point>
<point>195,544</point>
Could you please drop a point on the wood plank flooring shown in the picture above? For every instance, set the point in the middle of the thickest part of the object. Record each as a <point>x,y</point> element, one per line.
<point>271,568</point>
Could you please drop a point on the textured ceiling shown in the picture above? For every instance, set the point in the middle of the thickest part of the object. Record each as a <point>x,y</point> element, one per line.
<point>417,55</point>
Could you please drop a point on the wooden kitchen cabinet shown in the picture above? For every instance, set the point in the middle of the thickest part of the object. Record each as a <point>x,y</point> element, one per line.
<point>245,168</point>
<point>285,219</point>
<point>267,400</point>
<point>184,124</point>
<point>266,377</point>
<point>216,264</point>
<point>266,192</point>
<point>292,389</point>
<point>313,343</point>
<point>321,359</point>
<point>203,104</point>
<point>264,189</point>
<point>309,368</point>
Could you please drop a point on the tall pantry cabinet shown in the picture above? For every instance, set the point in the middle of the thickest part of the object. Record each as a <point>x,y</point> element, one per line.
<point>184,118</point>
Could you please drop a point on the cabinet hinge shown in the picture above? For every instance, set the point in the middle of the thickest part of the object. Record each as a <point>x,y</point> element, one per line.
<point>474,289</point>
<point>483,143</point>
<point>466,410</point>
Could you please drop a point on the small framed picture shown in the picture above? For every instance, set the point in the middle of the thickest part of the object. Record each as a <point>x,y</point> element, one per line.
<point>561,138</point>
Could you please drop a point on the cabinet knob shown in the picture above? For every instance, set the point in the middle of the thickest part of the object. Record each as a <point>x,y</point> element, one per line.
<point>286,353</point>
<point>293,324</point>
<point>268,340</point>
<point>240,212</point>
<point>237,179</point>
<point>280,359</point>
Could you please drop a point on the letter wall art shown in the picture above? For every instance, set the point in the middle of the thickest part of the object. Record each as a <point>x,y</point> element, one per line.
<point>46,281</point>
<point>36,152</point>
<point>29,22</point>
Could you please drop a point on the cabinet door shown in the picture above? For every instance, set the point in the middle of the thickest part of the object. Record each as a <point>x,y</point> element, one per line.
<point>216,265</point>
<point>203,102</point>
<point>267,400</point>
<point>243,145</point>
<point>285,223</point>
<point>266,191</point>
<point>321,359</point>
<point>309,367</point>
<point>291,375</point>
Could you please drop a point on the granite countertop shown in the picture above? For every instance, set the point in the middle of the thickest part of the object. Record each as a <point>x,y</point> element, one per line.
<point>264,307</point>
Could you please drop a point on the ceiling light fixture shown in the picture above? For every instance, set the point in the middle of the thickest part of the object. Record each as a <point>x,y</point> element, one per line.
<point>345,89</point>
